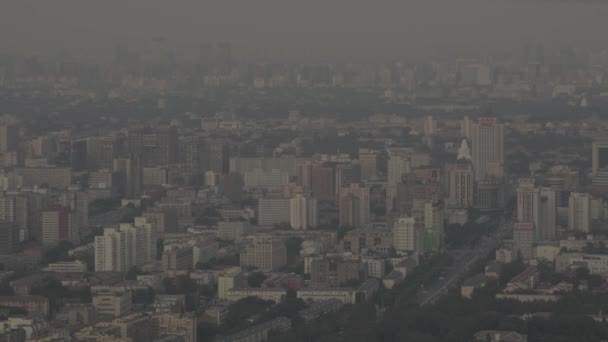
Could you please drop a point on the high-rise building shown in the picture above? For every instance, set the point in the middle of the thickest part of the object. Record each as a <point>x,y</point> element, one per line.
<point>101,152</point>
<point>405,235</point>
<point>548,214</point>
<point>346,174</point>
<point>78,202</point>
<point>9,238</point>
<point>273,211</point>
<point>368,160</point>
<point>177,258</point>
<point>128,176</point>
<point>58,225</point>
<point>155,147</point>
<point>528,202</point>
<point>121,248</point>
<point>9,137</point>
<point>354,205</point>
<point>579,211</point>
<point>14,209</point>
<point>487,137</point>
<point>323,182</point>
<point>433,226</point>
<point>303,212</point>
<point>430,126</point>
<point>216,157</point>
<point>265,252</point>
<point>460,184</point>
<point>523,237</point>
<point>398,167</point>
<point>599,161</point>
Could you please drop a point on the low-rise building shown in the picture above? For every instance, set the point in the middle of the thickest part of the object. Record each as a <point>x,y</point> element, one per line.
<point>258,333</point>
<point>471,284</point>
<point>276,295</point>
<point>35,305</point>
<point>345,295</point>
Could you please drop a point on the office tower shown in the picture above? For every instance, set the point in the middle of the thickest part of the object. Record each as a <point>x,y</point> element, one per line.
<point>101,152</point>
<point>356,201</point>
<point>216,157</point>
<point>523,238</point>
<point>323,182</point>
<point>36,203</point>
<point>405,235</point>
<point>487,138</point>
<point>528,202</point>
<point>430,126</point>
<point>233,230</point>
<point>599,161</point>
<point>433,226</point>
<point>14,209</point>
<point>231,187</point>
<point>346,174</point>
<point>79,156</point>
<point>162,221</point>
<point>54,177</point>
<point>304,174</point>
<point>9,238</point>
<point>9,137</point>
<point>264,252</point>
<point>230,279</point>
<point>368,160</point>
<point>78,202</point>
<point>579,212</point>
<point>128,176</point>
<point>489,194</point>
<point>466,128</point>
<point>212,179</point>
<point>398,167</point>
<point>155,147</point>
<point>129,245</point>
<point>273,211</point>
<point>177,258</point>
<point>265,180</point>
<point>303,212</point>
<point>421,185</point>
<point>58,225</point>
<point>548,213</point>
<point>155,176</point>
<point>192,154</point>
<point>460,184</point>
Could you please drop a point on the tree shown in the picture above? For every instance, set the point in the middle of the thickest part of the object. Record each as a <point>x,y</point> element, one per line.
<point>255,279</point>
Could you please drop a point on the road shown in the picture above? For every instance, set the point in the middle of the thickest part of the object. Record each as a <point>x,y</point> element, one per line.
<point>462,260</point>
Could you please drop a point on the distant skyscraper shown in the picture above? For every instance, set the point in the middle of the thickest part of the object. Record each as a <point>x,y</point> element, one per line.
<point>579,212</point>
<point>119,249</point>
<point>461,184</point>
<point>130,175</point>
<point>523,237</point>
<point>433,226</point>
<point>303,212</point>
<point>9,238</point>
<point>368,160</point>
<point>548,214</point>
<point>216,157</point>
<point>354,205</point>
<point>599,161</point>
<point>405,235</point>
<point>528,202</point>
<point>57,225</point>
<point>9,135</point>
<point>323,185</point>
<point>265,252</point>
<point>101,152</point>
<point>487,138</point>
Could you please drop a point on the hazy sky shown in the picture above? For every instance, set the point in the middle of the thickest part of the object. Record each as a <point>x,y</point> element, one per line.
<point>287,26</point>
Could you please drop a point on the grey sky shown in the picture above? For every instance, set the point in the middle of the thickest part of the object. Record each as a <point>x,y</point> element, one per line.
<point>283,26</point>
